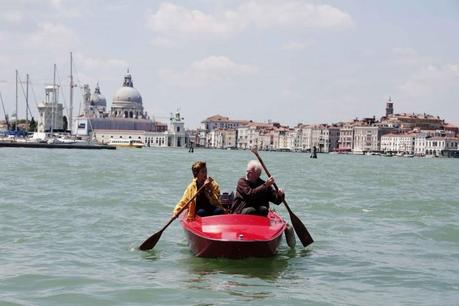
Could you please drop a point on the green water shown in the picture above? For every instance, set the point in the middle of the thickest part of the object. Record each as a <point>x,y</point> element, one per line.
<point>386,230</point>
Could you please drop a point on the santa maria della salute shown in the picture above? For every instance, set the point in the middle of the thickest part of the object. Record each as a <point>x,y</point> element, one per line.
<point>126,119</point>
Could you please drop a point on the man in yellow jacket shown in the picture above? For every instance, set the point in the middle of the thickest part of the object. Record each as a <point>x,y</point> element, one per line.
<point>207,202</point>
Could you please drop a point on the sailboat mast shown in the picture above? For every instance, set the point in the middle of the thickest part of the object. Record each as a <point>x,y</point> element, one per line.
<point>16,116</point>
<point>54,100</point>
<point>27,103</point>
<point>70,121</point>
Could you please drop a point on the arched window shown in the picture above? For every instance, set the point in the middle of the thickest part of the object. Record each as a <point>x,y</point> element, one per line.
<point>125,114</point>
<point>131,114</point>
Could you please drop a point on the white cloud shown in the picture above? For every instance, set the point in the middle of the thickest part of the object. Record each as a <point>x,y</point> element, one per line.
<point>13,17</point>
<point>297,45</point>
<point>404,52</point>
<point>163,42</point>
<point>93,63</point>
<point>175,21</point>
<point>432,80</point>
<point>293,13</point>
<point>208,70</point>
<point>407,56</point>
<point>53,35</point>
<point>106,71</point>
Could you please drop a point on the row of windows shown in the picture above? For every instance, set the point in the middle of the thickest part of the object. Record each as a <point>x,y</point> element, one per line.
<point>127,114</point>
<point>158,141</point>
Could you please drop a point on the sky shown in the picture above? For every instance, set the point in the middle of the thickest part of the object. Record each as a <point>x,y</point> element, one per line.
<point>289,61</point>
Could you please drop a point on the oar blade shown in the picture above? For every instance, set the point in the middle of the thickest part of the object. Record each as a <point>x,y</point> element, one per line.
<point>300,230</point>
<point>150,242</point>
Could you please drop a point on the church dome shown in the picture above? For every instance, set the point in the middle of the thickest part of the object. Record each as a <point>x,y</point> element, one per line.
<point>127,95</point>
<point>97,99</point>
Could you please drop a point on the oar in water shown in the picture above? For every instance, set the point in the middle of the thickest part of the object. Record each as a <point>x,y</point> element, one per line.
<point>151,242</point>
<point>300,230</point>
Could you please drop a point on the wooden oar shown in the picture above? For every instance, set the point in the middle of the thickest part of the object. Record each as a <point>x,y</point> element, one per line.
<point>300,230</point>
<point>151,242</point>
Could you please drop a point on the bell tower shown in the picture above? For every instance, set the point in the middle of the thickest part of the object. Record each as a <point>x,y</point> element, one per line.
<point>177,131</point>
<point>389,108</point>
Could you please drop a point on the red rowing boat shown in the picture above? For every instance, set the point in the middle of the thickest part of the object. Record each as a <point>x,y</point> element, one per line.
<point>234,235</point>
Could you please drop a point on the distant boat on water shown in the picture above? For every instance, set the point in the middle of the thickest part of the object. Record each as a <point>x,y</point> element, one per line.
<point>126,143</point>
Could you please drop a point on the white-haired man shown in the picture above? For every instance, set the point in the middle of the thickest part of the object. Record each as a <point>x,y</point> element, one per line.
<point>254,194</point>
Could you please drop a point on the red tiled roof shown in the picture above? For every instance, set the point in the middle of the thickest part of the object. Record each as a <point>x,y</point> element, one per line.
<point>217,118</point>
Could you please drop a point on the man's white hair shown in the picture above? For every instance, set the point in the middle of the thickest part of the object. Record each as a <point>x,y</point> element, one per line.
<point>254,164</point>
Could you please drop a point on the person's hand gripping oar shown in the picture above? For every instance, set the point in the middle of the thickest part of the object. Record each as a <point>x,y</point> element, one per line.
<point>300,230</point>
<point>151,242</point>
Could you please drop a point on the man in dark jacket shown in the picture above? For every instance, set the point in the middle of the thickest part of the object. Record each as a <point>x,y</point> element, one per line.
<point>253,194</point>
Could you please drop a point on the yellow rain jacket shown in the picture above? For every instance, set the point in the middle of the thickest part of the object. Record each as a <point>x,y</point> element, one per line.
<point>212,192</point>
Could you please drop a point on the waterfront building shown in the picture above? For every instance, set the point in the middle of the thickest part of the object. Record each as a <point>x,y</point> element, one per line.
<point>451,130</point>
<point>253,139</point>
<point>219,139</point>
<point>201,138</point>
<point>267,140</point>
<point>346,138</point>
<point>318,138</point>
<point>420,143</point>
<point>230,139</point>
<point>126,119</point>
<point>306,138</point>
<point>176,133</point>
<point>324,137</point>
<point>221,122</point>
<point>368,138</point>
<point>398,143</point>
<point>409,134</point>
<point>411,121</point>
<point>332,143</point>
<point>242,137</point>
<point>283,139</point>
<point>215,138</point>
<point>297,138</point>
<point>442,146</point>
<point>222,138</point>
<point>50,111</point>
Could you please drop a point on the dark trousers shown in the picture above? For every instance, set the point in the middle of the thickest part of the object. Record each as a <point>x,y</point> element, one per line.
<point>260,211</point>
<point>204,212</point>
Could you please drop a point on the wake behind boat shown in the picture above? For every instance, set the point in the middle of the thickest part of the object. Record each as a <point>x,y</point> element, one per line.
<point>234,235</point>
